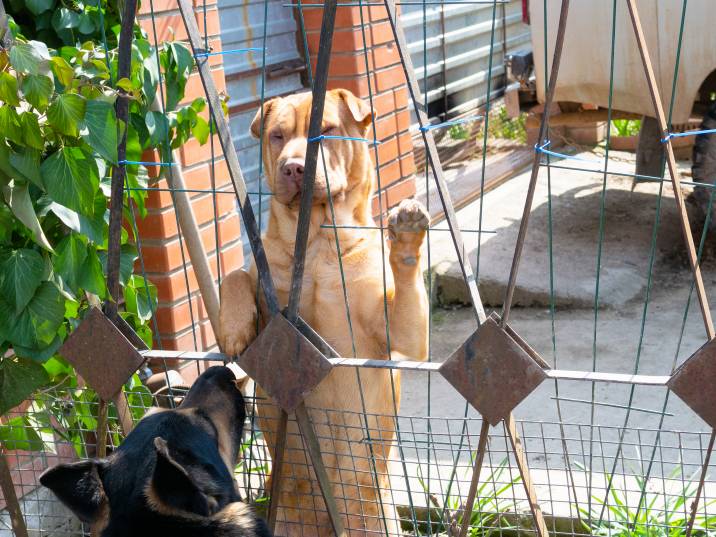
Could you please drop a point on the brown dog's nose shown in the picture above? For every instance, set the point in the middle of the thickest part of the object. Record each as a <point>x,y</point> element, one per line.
<point>293,170</point>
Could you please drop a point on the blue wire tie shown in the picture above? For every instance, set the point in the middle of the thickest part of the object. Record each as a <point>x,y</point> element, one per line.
<point>140,163</point>
<point>541,149</point>
<point>230,51</point>
<point>684,134</point>
<point>449,123</point>
<point>350,138</point>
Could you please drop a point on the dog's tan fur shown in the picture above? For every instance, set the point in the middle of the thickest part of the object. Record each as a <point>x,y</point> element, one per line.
<point>352,459</point>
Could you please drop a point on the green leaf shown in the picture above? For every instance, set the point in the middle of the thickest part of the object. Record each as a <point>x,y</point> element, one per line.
<point>37,325</point>
<point>10,126</point>
<point>87,25</point>
<point>125,84</point>
<point>91,227</point>
<point>57,367</point>
<point>200,130</point>
<point>27,163</point>
<point>20,275</point>
<point>31,133</point>
<point>18,380</point>
<point>37,90</point>
<point>71,179</point>
<point>18,199</point>
<point>19,434</point>
<point>71,254</point>
<point>30,58</point>
<point>64,19</point>
<point>100,129</point>
<point>158,128</point>
<point>128,255</point>
<point>39,6</point>
<point>66,112</point>
<point>40,354</point>
<point>139,298</point>
<point>8,89</point>
<point>91,276</point>
<point>62,70</point>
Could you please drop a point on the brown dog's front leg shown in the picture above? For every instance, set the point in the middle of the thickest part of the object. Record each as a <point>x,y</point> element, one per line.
<point>410,308</point>
<point>237,313</point>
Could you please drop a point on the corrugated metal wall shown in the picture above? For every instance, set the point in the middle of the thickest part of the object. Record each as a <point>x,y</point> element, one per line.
<point>242,26</point>
<point>458,50</point>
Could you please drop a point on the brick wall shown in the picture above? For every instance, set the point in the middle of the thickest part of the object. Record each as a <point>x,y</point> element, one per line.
<point>162,252</point>
<point>387,83</point>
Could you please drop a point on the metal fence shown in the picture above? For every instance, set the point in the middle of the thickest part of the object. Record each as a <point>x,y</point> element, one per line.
<point>472,470</point>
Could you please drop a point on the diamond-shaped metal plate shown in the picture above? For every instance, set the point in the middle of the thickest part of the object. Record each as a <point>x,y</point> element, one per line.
<point>101,354</point>
<point>492,371</point>
<point>284,363</point>
<point>694,382</point>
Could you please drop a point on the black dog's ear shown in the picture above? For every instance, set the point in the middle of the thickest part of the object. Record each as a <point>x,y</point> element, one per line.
<point>78,485</point>
<point>172,489</point>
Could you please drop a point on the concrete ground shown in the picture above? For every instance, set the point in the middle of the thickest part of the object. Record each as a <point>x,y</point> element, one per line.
<point>624,335</point>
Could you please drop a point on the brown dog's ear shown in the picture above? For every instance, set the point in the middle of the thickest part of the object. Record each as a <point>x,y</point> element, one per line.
<point>359,109</point>
<point>172,489</point>
<point>79,486</point>
<point>256,123</point>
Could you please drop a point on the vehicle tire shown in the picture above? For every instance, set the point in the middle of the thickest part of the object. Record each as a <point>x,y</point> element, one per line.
<point>703,167</point>
<point>649,149</point>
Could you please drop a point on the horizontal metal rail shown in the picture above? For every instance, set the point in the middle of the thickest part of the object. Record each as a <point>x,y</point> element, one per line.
<point>409,365</point>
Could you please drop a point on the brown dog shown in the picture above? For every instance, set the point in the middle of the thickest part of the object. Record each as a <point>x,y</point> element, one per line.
<point>354,454</point>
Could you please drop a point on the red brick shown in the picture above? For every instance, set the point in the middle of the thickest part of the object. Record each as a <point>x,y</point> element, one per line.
<point>389,173</point>
<point>196,178</point>
<point>184,342</point>
<point>195,89</point>
<point>385,55</point>
<point>193,153</point>
<point>407,165</point>
<point>389,78</point>
<point>358,85</point>
<point>167,256</point>
<point>159,6</point>
<point>394,195</point>
<point>171,27</point>
<point>381,33</point>
<point>343,41</point>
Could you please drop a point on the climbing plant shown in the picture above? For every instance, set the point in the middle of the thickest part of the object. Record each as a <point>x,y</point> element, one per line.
<point>58,142</point>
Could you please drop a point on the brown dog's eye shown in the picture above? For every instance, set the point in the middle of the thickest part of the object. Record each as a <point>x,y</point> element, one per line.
<point>329,130</point>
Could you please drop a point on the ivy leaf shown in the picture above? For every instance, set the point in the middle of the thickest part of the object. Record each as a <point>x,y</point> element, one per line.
<point>200,130</point>
<point>92,228</point>
<point>100,129</point>
<point>31,134</point>
<point>37,90</point>
<point>62,70</point>
<point>40,354</point>
<point>71,255</point>
<point>20,275</point>
<point>27,163</point>
<point>37,325</point>
<point>180,63</point>
<point>91,275</point>
<point>125,84</point>
<point>38,6</point>
<point>10,124</point>
<point>64,19</point>
<point>18,199</point>
<point>71,179</point>
<point>30,58</point>
<point>18,380</point>
<point>140,298</point>
<point>66,112</point>
<point>8,89</point>
<point>18,433</point>
<point>127,256</point>
<point>158,128</point>
<point>87,25</point>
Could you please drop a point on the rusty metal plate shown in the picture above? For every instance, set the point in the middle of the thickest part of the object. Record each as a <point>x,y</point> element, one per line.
<point>492,371</point>
<point>101,354</point>
<point>694,382</point>
<point>284,363</point>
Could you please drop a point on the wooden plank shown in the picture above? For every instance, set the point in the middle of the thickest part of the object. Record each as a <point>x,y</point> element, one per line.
<point>11,502</point>
<point>470,503</point>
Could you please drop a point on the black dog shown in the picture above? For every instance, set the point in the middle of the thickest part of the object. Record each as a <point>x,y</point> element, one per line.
<point>172,476</point>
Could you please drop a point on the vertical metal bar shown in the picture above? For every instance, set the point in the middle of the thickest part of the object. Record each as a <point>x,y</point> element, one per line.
<point>277,470</point>
<point>683,220</point>
<point>522,234</point>
<point>481,448</point>
<point>119,172</point>
<point>673,170</point>
<point>101,430</point>
<point>434,160</point>
<point>314,451</point>
<point>320,83</point>
<point>232,160</point>
<point>8,491</point>
<point>523,467</point>
<point>700,488</point>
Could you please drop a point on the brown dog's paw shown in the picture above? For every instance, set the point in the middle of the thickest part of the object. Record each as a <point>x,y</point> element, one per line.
<point>408,217</point>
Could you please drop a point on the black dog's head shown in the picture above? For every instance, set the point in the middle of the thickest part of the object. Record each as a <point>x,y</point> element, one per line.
<point>172,475</point>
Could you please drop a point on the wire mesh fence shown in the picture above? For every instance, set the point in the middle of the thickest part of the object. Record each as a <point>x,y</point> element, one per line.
<point>589,477</point>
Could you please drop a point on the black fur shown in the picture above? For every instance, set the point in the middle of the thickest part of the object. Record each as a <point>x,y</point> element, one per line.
<point>168,477</point>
